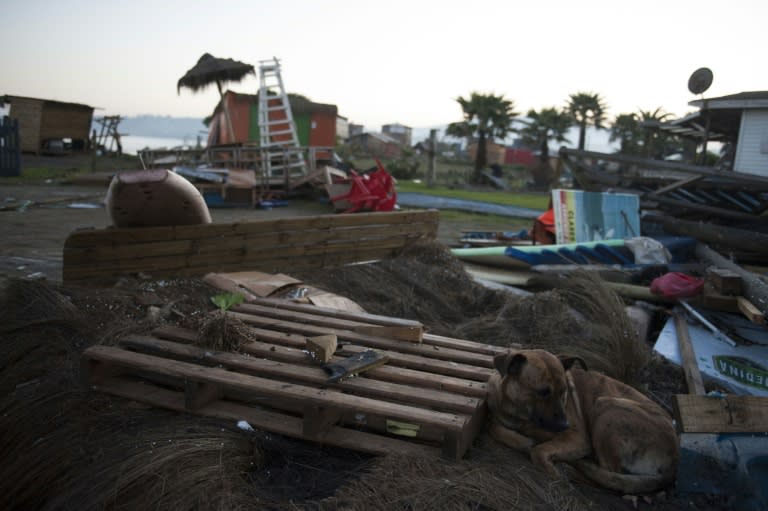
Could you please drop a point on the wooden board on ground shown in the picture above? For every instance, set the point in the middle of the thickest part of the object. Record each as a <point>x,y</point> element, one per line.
<point>729,414</point>
<point>264,245</point>
<point>427,397</point>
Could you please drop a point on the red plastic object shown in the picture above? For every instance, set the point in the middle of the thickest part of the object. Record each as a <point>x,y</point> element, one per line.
<point>370,192</point>
<point>676,285</point>
<point>544,228</point>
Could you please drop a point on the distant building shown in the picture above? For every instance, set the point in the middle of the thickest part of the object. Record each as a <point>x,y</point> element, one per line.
<point>739,121</point>
<point>356,129</point>
<point>376,144</point>
<point>495,153</point>
<point>399,132</point>
<point>342,128</point>
<point>45,124</point>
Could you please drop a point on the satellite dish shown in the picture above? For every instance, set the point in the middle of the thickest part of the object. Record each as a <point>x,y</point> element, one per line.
<point>700,80</point>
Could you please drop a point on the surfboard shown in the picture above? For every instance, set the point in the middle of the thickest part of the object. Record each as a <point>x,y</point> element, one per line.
<point>154,197</point>
<point>526,256</point>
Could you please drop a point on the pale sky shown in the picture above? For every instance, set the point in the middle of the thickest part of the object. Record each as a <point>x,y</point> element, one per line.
<point>388,61</point>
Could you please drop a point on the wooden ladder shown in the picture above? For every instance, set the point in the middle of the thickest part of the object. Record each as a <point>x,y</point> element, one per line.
<point>281,153</point>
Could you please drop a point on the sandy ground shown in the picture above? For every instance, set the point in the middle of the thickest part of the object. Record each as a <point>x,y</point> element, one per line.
<point>33,235</point>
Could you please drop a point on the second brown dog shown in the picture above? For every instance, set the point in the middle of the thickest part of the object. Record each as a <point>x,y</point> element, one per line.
<point>612,433</point>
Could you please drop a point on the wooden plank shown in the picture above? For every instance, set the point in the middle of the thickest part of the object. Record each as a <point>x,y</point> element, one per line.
<point>391,332</point>
<point>313,315</point>
<point>100,237</point>
<point>677,184</point>
<point>393,372</point>
<point>265,420</point>
<point>276,321</point>
<point>257,386</point>
<point>252,244</point>
<point>197,394</point>
<point>751,312</point>
<point>278,263</point>
<point>729,414</point>
<point>364,318</point>
<point>319,420</point>
<point>293,369</point>
<point>688,357</point>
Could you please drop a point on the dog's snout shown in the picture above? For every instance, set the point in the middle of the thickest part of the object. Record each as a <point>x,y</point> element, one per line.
<point>560,424</point>
<point>554,424</point>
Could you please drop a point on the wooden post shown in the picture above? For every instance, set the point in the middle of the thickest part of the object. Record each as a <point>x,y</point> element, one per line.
<point>431,173</point>
<point>688,357</point>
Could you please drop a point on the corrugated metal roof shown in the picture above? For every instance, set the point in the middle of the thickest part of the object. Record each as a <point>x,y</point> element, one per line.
<point>754,99</point>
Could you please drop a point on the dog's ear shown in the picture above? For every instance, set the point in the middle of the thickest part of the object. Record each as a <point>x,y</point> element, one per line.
<point>568,362</point>
<point>509,363</point>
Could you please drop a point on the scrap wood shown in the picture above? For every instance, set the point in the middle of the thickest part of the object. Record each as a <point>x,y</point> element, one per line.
<point>395,332</point>
<point>339,313</point>
<point>720,235</point>
<point>287,348</point>
<point>725,281</point>
<point>688,357</point>
<point>322,347</point>
<point>755,289</point>
<point>751,312</point>
<point>721,414</point>
<point>297,323</point>
<point>393,329</point>
<point>116,370</point>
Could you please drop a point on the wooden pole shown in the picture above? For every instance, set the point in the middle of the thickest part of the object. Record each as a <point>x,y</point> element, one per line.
<point>688,357</point>
<point>226,113</point>
<point>431,174</point>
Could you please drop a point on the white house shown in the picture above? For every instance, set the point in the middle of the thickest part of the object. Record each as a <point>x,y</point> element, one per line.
<point>738,119</point>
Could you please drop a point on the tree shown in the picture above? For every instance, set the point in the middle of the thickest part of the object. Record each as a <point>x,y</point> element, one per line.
<point>656,144</point>
<point>543,126</point>
<point>486,116</point>
<point>587,109</point>
<point>627,131</point>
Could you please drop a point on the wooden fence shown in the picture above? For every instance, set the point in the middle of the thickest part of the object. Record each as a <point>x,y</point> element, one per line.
<point>10,147</point>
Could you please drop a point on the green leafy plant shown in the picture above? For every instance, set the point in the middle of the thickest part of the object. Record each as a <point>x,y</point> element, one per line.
<point>216,332</point>
<point>226,301</point>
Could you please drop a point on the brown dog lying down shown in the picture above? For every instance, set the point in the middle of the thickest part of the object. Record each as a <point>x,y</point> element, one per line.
<point>542,405</point>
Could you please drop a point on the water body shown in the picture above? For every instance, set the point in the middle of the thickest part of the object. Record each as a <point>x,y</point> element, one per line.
<point>420,200</point>
<point>132,144</point>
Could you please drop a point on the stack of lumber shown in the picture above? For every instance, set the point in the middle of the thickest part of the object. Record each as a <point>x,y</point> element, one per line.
<point>429,397</point>
<point>267,245</point>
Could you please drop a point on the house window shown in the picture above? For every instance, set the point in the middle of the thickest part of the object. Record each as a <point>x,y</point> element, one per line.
<point>314,124</point>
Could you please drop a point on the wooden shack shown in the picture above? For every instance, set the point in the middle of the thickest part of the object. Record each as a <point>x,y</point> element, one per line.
<point>44,124</point>
<point>315,122</point>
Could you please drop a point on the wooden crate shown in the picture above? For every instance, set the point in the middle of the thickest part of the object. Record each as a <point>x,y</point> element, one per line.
<point>434,390</point>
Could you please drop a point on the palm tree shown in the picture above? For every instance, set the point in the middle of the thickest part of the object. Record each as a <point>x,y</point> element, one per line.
<point>587,109</point>
<point>654,141</point>
<point>543,126</point>
<point>626,129</point>
<point>486,116</point>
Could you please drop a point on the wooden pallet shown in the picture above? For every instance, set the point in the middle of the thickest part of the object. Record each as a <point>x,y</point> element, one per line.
<point>433,390</point>
<point>265,245</point>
